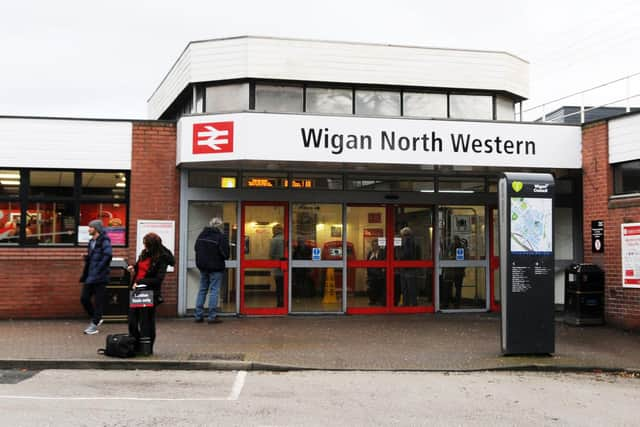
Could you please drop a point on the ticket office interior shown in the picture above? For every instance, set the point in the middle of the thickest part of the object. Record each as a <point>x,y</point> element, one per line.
<point>351,251</point>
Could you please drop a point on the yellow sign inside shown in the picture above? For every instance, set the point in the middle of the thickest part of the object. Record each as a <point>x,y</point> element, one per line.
<point>261,182</point>
<point>228,182</point>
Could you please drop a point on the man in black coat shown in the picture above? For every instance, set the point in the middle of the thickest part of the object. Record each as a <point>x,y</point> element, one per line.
<point>95,275</point>
<point>212,250</point>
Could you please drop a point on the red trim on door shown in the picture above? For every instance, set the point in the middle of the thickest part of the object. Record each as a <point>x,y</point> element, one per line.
<point>265,263</point>
<point>494,262</point>
<point>390,264</point>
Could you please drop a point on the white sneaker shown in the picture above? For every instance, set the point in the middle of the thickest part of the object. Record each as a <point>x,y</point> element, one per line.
<point>91,329</point>
<point>100,322</point>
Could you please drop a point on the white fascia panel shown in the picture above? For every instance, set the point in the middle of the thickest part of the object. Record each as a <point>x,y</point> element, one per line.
<point>339,139</point>
<point>59,143</point>
<point>173,84</point>
<point>336,62</point>
<point>624,139</point>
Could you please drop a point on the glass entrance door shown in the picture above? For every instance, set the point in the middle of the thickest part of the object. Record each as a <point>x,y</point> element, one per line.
<point>463,265</point>
<point>264,254</point>
<point>391,269</point>
<point>317,258</point>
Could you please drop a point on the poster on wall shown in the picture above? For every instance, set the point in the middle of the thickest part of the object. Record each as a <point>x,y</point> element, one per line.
<point>165,229</point>
<point>630,235</point>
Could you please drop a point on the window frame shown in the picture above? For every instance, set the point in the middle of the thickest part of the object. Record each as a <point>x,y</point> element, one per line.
<point>493,96</point>
<point>76,200</point>
<point>618,179</point>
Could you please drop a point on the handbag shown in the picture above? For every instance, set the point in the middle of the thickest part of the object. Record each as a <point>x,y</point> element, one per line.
<point>119,345</point>
<point>141,298</point>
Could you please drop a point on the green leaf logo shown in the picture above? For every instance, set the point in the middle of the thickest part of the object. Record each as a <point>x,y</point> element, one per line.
<point>517,186</point>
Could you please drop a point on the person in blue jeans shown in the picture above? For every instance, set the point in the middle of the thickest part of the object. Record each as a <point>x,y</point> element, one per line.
<point>212,250</point>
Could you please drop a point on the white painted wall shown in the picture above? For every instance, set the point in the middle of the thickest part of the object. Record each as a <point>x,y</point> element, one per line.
<point>63,143</point>
<point>327,61</point>
<point>624,139</point>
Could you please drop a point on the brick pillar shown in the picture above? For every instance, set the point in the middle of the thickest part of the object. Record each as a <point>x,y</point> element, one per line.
<point>154,190</point>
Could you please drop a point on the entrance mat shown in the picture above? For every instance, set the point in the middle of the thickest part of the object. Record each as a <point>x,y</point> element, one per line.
<point>216,356</point>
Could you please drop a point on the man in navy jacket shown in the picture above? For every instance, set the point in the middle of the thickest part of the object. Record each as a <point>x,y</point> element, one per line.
<point>95,275</point>
<point>212,249</point>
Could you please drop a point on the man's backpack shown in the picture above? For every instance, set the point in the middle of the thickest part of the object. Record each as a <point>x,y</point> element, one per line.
<point>119,345</point>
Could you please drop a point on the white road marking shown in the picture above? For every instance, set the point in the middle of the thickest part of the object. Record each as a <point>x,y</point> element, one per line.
<point>238,385</point>
<point>148,399</point>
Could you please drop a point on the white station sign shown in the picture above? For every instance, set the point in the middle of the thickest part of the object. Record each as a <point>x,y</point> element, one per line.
<point>291,137</point>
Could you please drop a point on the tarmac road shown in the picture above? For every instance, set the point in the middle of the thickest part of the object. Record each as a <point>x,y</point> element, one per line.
<point>315,398</point>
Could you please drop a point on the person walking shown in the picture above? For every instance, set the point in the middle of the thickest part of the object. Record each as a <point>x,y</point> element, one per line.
<point>148,274</point>
<point>95,275</point>
<point>212,250</point>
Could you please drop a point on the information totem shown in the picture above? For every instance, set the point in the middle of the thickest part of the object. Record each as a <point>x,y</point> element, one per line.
<point>526,263</point>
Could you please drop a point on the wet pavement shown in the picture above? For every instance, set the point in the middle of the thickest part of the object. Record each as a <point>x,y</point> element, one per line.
<point>440,342</point>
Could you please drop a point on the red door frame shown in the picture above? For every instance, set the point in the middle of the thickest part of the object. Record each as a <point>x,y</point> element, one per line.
<point>494,261</point>
<point>252,263</point>
<point>390,264</point>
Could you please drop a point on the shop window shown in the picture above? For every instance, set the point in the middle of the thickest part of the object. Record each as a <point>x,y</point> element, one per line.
<point>113,217</point>
<point>104,185</point>
<point>424,104</point>
<point>316,182</point>
<point>10,222</point>
<point>50,223</point>
<point>232,97</point>
<point>461,185</point>
<point>377,103</point>
<point>51,184</point>
<point>505,108</point>
<point>329,100</point>
<point>56,206</point>
<point>279,99</point>
<point>626,177</point>
<point>474,107</point>
<point>9,183</point>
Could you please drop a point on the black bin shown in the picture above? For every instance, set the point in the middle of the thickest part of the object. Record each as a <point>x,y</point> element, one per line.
<point>584,295</point>
<point>116,304</point>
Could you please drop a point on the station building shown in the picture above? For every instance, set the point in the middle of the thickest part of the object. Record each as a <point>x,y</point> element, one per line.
<point>344,148</point>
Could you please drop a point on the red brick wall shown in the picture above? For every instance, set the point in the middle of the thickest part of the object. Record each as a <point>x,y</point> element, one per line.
<point>43,282</point>
<point>154,193</point>
<point>622,305</point>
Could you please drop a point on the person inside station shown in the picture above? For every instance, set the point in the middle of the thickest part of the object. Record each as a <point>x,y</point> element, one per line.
<point>452,277</point>
<point>408,250</point>
<point>376,275</point>
<point>276,252</point>
<point>302,285</point>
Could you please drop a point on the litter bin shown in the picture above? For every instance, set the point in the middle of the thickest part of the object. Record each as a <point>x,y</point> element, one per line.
<point>584,295</point>
<point>116,304</point>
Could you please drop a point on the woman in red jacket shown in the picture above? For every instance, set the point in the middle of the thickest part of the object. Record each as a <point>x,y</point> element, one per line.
<point>148,274</point>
